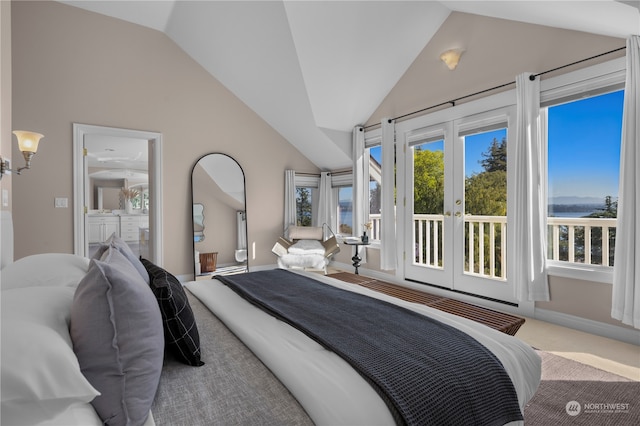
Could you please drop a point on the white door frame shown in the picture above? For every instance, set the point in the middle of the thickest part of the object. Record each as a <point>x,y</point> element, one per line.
<point>81,193</point>
<point>413,130</point>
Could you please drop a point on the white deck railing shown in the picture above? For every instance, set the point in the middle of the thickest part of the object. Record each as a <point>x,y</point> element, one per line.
<point>581,240</point>
<point>587,241</point>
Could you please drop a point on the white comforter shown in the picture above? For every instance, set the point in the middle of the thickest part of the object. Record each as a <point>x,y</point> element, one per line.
<point>328,388</point>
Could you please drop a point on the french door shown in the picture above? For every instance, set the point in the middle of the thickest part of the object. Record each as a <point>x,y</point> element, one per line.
<point>457,206</point>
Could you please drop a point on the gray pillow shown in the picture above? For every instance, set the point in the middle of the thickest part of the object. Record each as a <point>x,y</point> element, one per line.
<point>119,244</point>
<point>117,334</point>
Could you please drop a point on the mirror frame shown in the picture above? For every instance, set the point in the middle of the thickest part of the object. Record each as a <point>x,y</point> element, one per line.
<point>244,184</point>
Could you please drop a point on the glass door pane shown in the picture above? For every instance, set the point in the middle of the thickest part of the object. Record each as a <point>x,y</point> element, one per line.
<point>428,244</point>
<point>481,203</point>
<point>485,203</point>
<point>428,204</point>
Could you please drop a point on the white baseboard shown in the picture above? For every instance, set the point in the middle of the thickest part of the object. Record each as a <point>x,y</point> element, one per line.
<point>185,278</point>
<point>598,328</point>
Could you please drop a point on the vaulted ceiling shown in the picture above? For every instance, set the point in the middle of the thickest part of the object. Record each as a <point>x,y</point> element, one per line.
<point>312,69</point>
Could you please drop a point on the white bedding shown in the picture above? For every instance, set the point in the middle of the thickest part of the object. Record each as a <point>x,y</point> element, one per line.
<point>328,388</point>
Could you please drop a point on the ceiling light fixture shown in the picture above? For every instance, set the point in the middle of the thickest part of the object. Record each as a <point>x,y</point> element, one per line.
<point>28,145</point>
<point>451,57</point>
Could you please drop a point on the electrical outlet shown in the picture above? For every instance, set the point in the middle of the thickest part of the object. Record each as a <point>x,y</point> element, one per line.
<point>61,203</point>
<point>5,198</point>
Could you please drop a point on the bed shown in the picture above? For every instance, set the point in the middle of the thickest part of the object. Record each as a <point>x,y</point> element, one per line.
<point>326,386</point>
<point>248,368</point>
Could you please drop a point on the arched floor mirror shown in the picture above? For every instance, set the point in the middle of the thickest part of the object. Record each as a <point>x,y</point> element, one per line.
<point>219,216</point>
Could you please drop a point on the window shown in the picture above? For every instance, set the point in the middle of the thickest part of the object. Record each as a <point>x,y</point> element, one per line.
<point>307,200</point>
<point>141,199</point>
<point>342,202</point>
<point>375,190</point>
<point>583,157</point>
<point>345,210</point>
<point>304,205</point>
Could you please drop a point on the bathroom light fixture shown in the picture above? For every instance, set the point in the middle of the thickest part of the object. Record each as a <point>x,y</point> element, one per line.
<point>451,57</point>
<point>28,145</point>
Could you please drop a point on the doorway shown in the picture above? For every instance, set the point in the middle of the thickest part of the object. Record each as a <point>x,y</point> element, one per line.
<point>106,161</point>
<point>456,209</point>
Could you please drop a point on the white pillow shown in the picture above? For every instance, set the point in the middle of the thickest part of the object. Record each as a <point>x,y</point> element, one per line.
<point>44,270</point>
<point>48,306</point>
<point>40,374</point>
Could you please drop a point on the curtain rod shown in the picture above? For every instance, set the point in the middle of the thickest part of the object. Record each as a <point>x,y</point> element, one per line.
<point>338,173</point>
<point>531,77</point>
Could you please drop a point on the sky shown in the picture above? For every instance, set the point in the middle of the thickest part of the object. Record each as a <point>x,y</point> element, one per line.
<point>584,147</point>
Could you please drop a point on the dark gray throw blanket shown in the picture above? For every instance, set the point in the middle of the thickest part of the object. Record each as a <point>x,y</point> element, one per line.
<point>427,372</point>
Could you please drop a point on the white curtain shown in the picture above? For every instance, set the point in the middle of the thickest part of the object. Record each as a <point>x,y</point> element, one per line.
<point>360,192</point>
<point>528,236</point>
<point>325,202</point>
<point>388,252</point>
<point>626,269</point>
<point>289,199</point>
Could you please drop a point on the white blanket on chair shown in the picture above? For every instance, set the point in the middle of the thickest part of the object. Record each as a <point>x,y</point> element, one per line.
<point>314,261</point>
<point>307,247</point>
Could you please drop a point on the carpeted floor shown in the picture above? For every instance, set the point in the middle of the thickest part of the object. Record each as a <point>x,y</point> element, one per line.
<point>572,393</point>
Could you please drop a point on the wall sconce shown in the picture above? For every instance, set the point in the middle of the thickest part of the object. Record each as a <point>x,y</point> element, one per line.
<point>451,57</point>
<point>28,145</point>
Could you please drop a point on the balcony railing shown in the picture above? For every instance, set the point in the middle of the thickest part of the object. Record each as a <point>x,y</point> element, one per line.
<point>588,241</point>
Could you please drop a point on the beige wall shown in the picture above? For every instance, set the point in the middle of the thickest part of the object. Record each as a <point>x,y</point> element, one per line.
<point>496,51</point>
<point>70,65</point>
<point>584,299</point>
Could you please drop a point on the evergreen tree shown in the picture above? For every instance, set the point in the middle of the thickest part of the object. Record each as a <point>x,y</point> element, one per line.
<point>375,199</point>
<point>496,157</point>
<point>303,206</point>
<point>486,192</point>
<point>610,209</point>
